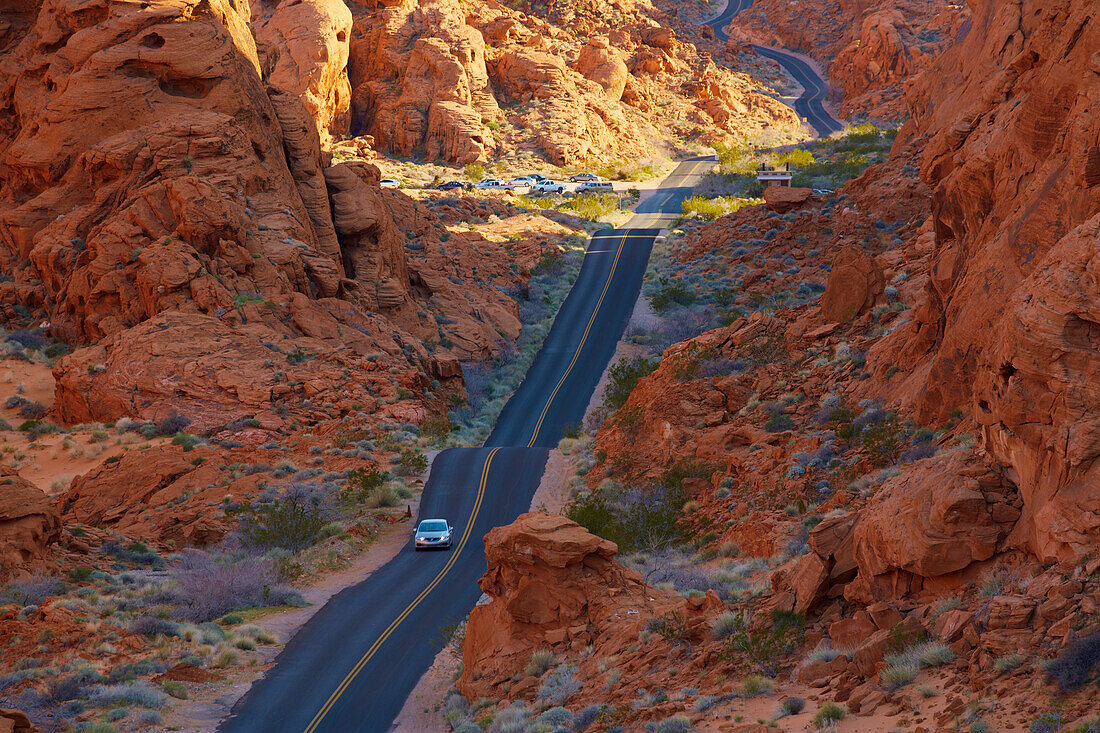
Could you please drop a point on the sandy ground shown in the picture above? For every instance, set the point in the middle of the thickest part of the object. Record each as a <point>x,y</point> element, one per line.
<point>53,460</point>
<point>421,711</point>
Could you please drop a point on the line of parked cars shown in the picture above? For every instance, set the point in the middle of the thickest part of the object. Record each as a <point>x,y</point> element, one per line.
<point>534,183</point>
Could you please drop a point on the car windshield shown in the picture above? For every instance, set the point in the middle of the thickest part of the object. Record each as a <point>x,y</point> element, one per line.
<point>433,525</point>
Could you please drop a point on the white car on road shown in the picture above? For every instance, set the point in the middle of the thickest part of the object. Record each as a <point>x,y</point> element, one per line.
<point>389,183</point>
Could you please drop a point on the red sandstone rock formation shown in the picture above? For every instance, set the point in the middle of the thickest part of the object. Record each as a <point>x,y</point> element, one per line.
<point>28,525</point>
<point>1008,121</point>
<point>869,50</point>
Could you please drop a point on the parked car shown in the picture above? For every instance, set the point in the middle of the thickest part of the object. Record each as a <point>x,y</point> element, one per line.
<point>538,177</point>
<point>432,533</point>
<point>490,183</point>
<point>452,185</point>
<point>547,186</point>
<point>579,177</point>
<point>595,186</point>
<point>522,181</point>
<point>389,183</point>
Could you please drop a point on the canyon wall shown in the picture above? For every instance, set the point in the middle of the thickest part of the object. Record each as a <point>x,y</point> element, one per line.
<point>1009,122</point>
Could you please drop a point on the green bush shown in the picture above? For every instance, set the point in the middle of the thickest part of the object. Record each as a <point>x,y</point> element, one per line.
<point>769,645</point>
<point>291,524</point>
<point>411,463</point>
<point>828,714</point>
<point>176,689</point>
<point>709,209</point>
<point>592,206</point>
<point>669,293</point>
<point>632,519</point>
<point>623,377</point>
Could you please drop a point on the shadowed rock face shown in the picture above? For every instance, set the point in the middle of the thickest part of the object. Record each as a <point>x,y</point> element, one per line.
<point>1009,120</point>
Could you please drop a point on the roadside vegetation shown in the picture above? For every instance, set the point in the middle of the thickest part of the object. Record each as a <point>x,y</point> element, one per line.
<point>826,163</point>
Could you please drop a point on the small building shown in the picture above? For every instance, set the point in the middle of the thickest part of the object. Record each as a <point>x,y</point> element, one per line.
<point>771,177</point>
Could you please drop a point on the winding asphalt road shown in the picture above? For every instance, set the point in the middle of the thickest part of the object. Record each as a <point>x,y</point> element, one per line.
<point>352,666</point>
<point>810,104</point>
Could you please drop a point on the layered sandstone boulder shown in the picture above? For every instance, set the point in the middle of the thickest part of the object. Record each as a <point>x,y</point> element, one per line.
<point>28,525</point>
<point>856,283</point>
<point>551,583</point>
<point>602,63</point>
<point>782,199</point>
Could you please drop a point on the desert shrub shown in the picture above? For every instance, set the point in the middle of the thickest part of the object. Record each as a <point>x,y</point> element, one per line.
<point>171,425</point>
<point>668,294</point>
<point>623,377</point>
<point>896,676</point>
<point>291,523</point>
<point>632,518</point>
<point>559,685</point>
<point>587,716</point>
<point>411,463</point>
<point>725,624</point>
<point>1009,662</point>
<point>149,717</point>
<point>791,706</point>
<point>176,689</point>
<point>32,410</point>
<point>823,653</point>
<point>556,717</point>
<point>779,422</point>
<point>1047,723</point>
<point>766,645</point>
<point>828,714</point>
<point>709,209</point>
<point>1074,666</point>
<point>32,591</point>
<point>755,685</point>
<point>592,206</point>
<point>675,724</point>
<point>541,661</point>
<point>141,694</point>
<point>130,671</point>
<point>209,586</point>
<point>136,553</point>
<point>673,626</point>
<point>153,626</point>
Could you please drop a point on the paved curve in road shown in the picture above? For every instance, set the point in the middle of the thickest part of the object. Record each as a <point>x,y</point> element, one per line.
<point>353,665</point>
<point>810,104</point>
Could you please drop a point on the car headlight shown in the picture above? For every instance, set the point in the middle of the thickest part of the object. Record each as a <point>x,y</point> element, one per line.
<point>421,539</point>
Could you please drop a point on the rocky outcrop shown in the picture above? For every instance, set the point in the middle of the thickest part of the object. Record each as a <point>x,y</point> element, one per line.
<point>782,199</point>
<point>15,721</point>
<point>601,63</point>
<point>420,81</point>
<point>552,584</point>
<point>28,525</point>
<point>176,195</point>
<point>855,284</point>
<point>303,49</point>
<point>1009,123</point>
<point>869,50</point>
<point>1037,396</point>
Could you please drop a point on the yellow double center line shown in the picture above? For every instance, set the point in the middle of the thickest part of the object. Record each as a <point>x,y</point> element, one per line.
<point>397,622</point>
<point>584,337</point>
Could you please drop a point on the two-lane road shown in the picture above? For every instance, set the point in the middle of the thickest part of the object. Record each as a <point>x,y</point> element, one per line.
<point>353,665</point>
<point>810,105</point>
